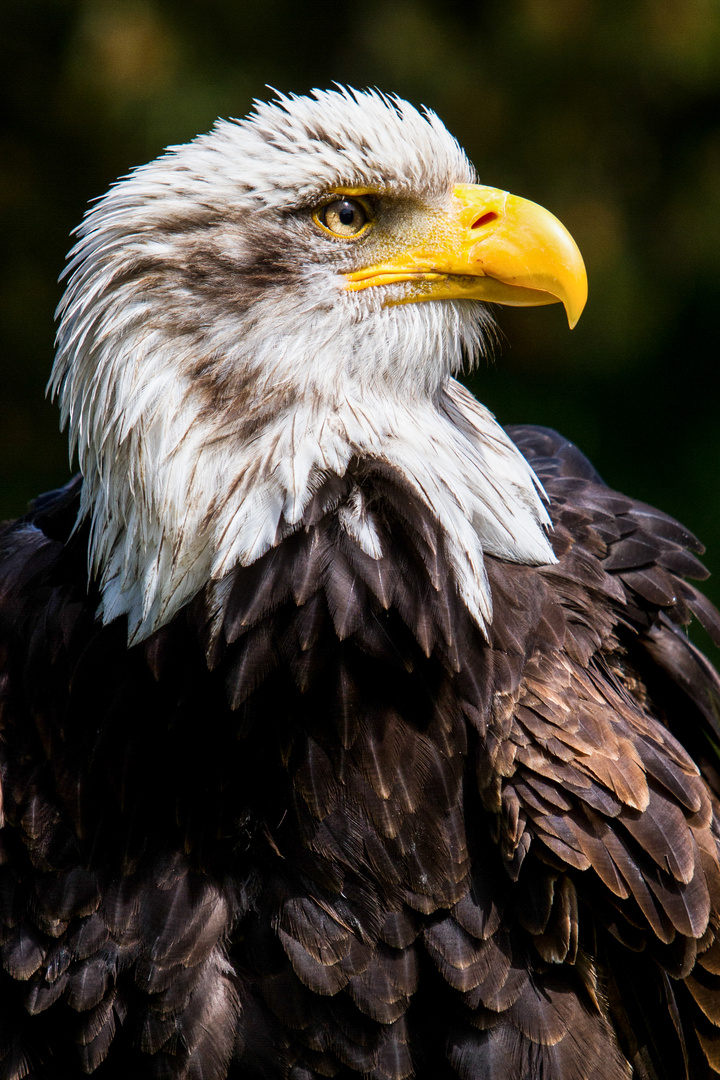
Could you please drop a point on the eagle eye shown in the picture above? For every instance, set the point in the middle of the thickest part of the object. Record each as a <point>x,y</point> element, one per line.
<point>343,217</point>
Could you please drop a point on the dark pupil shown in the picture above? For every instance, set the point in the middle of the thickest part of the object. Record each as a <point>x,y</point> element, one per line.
<point>347,214</point>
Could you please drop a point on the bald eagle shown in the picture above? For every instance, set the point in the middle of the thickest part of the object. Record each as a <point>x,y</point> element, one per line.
<point>344,733</point>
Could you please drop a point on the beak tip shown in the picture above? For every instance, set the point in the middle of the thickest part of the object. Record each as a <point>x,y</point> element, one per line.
<point>575,305</point>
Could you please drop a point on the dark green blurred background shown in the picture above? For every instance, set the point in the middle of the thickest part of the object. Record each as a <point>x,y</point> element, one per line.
<point>605,111</point>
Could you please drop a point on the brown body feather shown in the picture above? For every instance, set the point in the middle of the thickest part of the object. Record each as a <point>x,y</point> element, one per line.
<point>317,826</point>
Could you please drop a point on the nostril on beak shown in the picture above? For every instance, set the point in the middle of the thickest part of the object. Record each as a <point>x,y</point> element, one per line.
<point>484,219</point>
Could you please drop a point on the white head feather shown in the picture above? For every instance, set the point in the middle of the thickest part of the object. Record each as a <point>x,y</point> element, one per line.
<point>212,368</point>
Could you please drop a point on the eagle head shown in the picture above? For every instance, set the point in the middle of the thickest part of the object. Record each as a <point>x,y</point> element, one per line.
<point>259,308</point>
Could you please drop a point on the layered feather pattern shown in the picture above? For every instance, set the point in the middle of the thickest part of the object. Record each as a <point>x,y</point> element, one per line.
<point>317,825</point>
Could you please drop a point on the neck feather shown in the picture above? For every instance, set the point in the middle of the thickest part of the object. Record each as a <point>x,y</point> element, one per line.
<point>186,479</point>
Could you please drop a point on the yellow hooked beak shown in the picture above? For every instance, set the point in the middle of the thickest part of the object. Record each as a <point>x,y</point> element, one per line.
<point>491,246</point>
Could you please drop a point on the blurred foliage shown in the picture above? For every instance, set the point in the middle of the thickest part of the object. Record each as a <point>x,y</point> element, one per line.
<point>605,111</point>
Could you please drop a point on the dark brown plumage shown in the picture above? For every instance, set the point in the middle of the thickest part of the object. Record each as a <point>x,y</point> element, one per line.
<point>329,831</point>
